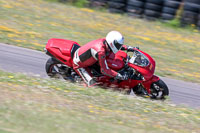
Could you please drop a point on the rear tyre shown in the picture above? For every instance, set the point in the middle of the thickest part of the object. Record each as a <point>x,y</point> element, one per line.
<point>56,69</point>
<point>159,90</point>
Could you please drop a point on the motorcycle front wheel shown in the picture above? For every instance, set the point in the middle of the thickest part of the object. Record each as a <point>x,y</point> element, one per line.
<point>159,90</point>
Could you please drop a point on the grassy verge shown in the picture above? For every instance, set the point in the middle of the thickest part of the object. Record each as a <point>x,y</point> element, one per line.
<point>30,104</point>
<point>30,24</point>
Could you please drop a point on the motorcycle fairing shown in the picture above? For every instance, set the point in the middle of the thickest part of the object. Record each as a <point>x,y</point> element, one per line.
<point>147,84</point>
<point>146,71</point>
<point>62,49</point>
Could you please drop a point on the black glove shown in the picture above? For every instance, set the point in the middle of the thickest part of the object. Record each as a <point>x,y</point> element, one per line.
<point>122,77</point>
<point>131,49</point>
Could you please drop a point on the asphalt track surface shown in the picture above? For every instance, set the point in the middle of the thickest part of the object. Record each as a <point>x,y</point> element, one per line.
<point>17,59</point>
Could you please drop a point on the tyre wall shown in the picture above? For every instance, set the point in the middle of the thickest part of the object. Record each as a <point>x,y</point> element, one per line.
<point>98,3</point>
<point>154,9</point>
<point>190,13</point>
<point>198,23</point>
<point>116,6</point>
<point>170,8</point>
<point>135,8</point>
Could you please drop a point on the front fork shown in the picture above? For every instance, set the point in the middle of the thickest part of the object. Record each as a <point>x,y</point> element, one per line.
<point>147,84</point>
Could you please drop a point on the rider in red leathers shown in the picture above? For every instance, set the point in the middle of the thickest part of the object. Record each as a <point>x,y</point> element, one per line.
<point>96,51</point>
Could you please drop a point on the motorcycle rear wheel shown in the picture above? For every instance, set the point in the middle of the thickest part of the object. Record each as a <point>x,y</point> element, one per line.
<point>55,69</point>
<point>159,90</point>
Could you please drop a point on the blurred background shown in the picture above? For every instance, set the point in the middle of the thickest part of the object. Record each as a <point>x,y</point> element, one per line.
<point>182,12</point>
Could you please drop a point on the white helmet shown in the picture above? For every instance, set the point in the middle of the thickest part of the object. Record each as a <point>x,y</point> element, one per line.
<point>115,41</point>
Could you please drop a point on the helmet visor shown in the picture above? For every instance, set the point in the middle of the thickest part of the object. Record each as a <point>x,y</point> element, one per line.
<point>118,45</point>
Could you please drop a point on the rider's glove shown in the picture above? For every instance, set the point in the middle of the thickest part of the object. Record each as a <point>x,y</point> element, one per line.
<point>121,77</point>
<point>131,49</point>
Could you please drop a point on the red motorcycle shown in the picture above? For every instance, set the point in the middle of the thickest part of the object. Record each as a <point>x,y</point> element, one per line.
<point>138,65</point>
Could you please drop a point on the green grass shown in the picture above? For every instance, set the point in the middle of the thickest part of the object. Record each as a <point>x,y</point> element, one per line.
<point>31,104</point>
<point>30,24</point>
<point>77,3</point>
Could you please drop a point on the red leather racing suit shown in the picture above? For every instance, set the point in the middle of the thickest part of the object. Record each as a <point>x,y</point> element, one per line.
<point>92,52</point>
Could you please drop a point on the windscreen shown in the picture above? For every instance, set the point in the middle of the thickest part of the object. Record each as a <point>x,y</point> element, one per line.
<point>139,59</point>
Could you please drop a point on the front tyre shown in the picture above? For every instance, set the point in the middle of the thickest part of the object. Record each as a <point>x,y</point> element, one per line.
<point>159,90</point>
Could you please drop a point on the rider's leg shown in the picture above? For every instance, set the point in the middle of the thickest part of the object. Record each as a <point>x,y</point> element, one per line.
<point>82,72</point>
<point>85,75</point>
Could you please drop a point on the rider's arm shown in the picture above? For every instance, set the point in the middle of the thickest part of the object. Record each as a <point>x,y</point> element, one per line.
<point>124,47</point>
<point>128,48</point>
<point>104,66</point>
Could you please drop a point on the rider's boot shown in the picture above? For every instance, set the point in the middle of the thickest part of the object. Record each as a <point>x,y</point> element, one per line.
<point>86,77</point>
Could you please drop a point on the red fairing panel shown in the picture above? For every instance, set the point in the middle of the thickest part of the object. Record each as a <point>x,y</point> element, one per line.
<point>61,49</point>
<point>147,71</point>
<point>147,84</point>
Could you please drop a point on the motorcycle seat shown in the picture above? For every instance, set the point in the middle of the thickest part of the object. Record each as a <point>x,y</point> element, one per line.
<point>66,47</point>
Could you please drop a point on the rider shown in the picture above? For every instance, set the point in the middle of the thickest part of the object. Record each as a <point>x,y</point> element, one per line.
<point>96,51</point>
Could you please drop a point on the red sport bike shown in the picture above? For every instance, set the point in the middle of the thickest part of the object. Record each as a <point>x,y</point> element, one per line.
<point>138,65</point>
